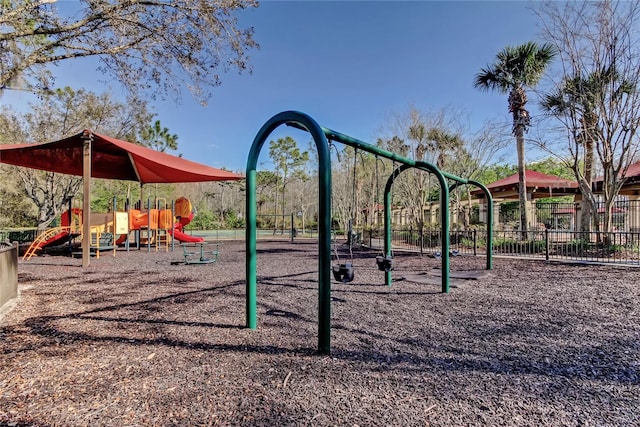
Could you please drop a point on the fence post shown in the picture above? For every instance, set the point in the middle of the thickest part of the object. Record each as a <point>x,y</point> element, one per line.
<point>546,244</point>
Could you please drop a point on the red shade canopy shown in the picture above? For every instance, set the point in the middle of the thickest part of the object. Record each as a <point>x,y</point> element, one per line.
<point>534,179</point>
<point>112,159</point>
<point>538,183</point>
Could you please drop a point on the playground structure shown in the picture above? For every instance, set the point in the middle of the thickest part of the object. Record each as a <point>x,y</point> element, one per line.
<point>154,227</point>
<point>89,154</point>
<point>321,137</point>
<point>161,224</point>
<point>103,227</point>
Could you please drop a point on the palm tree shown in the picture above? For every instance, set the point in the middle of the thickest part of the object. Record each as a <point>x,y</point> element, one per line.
<point>443,143</point>
<point>514,69</point>
<point>579,99</point>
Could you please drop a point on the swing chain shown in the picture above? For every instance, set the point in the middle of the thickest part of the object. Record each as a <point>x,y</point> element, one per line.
<point>343,272</point>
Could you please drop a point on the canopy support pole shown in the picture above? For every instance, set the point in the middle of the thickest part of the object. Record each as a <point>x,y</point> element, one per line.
<point>86,198</point>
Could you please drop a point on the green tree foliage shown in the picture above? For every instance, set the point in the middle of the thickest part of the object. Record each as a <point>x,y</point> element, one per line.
<point>552,166</point>
<point>289,161</point>
<point>493,173</point>
<point>15,209</point>
<point>158,138</point>
<point>233,220</point>
<point>266,188</point>
<point>205,219</point>
<point>150,47</point>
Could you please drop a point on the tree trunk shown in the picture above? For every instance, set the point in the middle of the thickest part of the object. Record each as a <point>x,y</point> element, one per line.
<point>275,208</point>
<point>522,181</point>
<point>607,225</point>
<point>585,218</point>
<point>45,218</point>
<point>587,205</point>
<point>284,185</point>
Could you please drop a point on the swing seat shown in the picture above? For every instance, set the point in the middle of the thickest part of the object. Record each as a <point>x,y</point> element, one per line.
<point>343,272</point>
<point>385,263</point>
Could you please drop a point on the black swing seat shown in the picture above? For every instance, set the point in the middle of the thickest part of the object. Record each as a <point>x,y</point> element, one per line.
<point>385,263</point>
<point>343,272</point>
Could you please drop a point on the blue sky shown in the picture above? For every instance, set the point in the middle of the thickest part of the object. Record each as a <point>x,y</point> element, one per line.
<point>349,65</point>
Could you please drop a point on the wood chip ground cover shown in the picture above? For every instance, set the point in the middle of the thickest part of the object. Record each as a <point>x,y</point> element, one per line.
<point>133,340</point>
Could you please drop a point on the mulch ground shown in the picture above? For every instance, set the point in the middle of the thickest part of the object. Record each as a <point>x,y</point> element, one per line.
<point>133,340</point>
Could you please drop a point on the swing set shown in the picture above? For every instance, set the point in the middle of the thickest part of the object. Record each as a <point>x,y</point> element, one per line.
<point>345,272</point>
<point>321,137</point>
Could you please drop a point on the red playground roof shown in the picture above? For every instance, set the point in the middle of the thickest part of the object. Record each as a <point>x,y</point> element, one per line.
<point>112,159</point>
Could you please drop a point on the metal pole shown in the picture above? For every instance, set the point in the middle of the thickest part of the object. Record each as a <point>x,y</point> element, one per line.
<point>250,245</point>
<point>546,244</point>
<point>127,208</point>
<point>71,228</point>
<point>487,194</point>
<point>305,122</point>
<point>149,225</point>
<point>87,138</point>
<point>173,230</point>
<point>444,219</point>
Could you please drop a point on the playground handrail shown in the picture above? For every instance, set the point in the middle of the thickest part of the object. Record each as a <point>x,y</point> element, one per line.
<point>42,237</point>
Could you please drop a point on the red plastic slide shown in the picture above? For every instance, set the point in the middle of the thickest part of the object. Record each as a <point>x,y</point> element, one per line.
<point>58,239</point>
<point>182,237</point>
<point>185,215</point>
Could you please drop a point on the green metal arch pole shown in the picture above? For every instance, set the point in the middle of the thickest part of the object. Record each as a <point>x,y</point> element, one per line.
<point>387,217</point>
<point>487,193</point>
<point>302,120</point>
<point>444,217</point>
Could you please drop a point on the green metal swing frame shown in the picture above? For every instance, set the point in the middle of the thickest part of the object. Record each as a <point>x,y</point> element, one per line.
<point>321,137</point>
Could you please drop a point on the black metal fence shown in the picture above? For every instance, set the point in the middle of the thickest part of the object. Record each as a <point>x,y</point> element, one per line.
<point>21,235</point>
<point>625,215</point>
<point>469,242</point>
<point>620,247</point>
<point>615,247</point>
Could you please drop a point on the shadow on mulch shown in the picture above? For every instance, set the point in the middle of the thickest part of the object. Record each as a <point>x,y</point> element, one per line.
<point>161,345</point>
